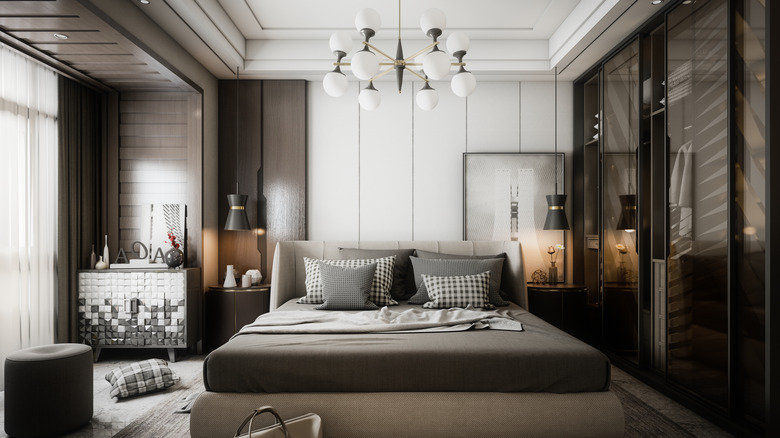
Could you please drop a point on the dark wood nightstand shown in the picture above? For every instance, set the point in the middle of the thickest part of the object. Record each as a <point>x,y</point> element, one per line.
<point>230,308</point>
<point>562,305</point>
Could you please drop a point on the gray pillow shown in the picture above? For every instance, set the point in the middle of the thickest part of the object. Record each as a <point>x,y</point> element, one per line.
<point>140,377</point>
<point>345,288</point>
<point>403,279</point>
<point>437,255</point>
<point>460,291</point>
<point>449,268</point>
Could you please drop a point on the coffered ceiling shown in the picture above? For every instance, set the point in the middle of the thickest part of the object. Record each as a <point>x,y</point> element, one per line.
<point>510,39</point>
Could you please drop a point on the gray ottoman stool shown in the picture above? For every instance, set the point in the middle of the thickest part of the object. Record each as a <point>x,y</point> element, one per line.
<point>48,390</point>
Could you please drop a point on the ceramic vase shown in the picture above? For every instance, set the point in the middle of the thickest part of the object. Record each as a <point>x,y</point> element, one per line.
<point>92,258</point>
<point>105,253</point>
<point>230,277</point>
<point>174,258</point>
<point>101,264</point>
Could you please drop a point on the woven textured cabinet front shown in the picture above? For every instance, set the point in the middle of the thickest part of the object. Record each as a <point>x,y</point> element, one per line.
<point>132,308</point>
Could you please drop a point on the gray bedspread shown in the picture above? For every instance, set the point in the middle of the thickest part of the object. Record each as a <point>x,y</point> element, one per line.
<point>539,359</point>
<point>384,320</point>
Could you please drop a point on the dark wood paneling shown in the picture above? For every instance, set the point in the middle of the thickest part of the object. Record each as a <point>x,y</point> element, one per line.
<point>239,248</point>
<point>772,223</point>
<point>284,163</point>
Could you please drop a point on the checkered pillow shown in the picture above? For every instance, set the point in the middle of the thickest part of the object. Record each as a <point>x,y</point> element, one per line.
<point>140,378</point>
<point>380,288</point>
<point>346,288</point>
<point>460,291</point>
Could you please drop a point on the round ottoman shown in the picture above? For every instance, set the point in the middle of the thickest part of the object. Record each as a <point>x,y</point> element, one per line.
<point>48,390</point>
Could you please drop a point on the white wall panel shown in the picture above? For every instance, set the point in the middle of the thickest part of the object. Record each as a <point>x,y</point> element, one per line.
<point>332,164</point>
<point>439,143</point>
<point>494,117</point>
<point>537,116</point>
<point>386,167</point>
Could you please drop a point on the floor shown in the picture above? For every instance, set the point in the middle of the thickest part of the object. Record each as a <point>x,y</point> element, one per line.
<point>111,415</point>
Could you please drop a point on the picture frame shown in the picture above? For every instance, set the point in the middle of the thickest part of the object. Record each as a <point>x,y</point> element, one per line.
<point>504,199</point>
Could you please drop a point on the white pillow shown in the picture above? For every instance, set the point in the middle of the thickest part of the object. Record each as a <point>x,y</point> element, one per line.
<point>458,291</point>
<point>380,288</point>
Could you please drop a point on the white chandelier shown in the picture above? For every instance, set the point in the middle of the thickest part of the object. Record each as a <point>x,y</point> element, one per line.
<point>365,64</point>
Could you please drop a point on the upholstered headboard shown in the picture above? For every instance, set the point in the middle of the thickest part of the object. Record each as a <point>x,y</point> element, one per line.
<point>289,275</point>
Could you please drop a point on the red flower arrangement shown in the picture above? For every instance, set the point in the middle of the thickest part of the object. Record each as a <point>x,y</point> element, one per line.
<point>172,239</point>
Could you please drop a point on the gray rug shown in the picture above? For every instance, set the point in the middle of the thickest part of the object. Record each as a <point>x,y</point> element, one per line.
<point>163,420</point>
<point>644,421</point>
<point>641,419</point>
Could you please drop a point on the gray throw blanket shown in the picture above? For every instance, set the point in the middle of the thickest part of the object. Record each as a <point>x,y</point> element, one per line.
<point>382,321</point>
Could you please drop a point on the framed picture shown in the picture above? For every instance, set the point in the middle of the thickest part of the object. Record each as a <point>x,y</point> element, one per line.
<point>504,199</point>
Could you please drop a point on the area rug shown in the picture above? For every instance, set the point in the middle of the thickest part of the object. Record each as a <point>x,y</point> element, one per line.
<point>163,420</point>
<point>644,421</point>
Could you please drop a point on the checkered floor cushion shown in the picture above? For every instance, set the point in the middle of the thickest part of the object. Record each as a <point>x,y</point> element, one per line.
<point>140,378</point>
<point>458,291</point>
<point>380,288</point>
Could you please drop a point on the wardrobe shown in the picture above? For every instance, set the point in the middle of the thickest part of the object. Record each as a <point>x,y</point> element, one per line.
<point>670,205</point>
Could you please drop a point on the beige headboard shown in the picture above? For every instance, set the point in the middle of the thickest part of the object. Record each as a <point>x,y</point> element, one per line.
<point>289,275</point>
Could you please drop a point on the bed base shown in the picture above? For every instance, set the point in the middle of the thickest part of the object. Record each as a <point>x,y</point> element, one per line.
<point>424,414</point>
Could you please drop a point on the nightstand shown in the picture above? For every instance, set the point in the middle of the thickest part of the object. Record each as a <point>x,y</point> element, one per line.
<point>230,308</point>
<point>562,305</point>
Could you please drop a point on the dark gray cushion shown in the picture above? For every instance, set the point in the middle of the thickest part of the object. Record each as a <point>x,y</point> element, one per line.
<point>345,288</point>
<point>458,291</point>
<point>403,279</point>
<point>452,267</point>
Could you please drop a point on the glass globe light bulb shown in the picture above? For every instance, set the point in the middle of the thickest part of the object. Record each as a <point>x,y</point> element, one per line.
<point>458,42</point>
<point>432,19</point>
<point>463,84</point>
<point>427,98</point>
<point>368,19</point>
<point>340,42</point>
<point>436,65</point>
<point>369,98</point>
<point>365,65</point>
<point>335,84</point>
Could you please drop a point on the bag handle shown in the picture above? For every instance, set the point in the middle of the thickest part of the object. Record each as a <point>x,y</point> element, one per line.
<point>257,412</point>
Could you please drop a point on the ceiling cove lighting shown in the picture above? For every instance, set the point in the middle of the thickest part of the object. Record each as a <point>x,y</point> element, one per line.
<point>365,64</point>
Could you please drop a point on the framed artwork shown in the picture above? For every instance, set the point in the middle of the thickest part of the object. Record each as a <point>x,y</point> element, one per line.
<point>504,199</point>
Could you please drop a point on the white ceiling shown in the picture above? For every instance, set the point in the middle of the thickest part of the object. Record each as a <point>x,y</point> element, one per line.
<point>288,39</point>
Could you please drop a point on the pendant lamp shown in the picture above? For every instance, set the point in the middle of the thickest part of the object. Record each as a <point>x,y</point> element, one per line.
<point>556,216</point>
<point>236,218</point>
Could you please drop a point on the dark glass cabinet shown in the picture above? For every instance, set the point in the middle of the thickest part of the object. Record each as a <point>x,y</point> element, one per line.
<point>670,158</point>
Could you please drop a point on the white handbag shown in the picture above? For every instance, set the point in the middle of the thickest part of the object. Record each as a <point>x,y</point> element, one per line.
<point>305,426</point>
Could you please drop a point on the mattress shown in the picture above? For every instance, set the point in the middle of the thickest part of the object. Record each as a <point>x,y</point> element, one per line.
<point>541,358</point>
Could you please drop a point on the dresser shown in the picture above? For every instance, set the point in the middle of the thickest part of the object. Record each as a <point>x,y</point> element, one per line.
<point>136,308</point>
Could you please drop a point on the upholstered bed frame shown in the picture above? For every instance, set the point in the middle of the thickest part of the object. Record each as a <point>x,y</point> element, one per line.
<point>428,414</point>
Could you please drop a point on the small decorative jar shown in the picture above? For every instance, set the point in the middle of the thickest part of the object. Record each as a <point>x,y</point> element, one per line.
<point>174,258</point>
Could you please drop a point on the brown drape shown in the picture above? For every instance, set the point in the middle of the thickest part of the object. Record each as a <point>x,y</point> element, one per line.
<point>79,195</point>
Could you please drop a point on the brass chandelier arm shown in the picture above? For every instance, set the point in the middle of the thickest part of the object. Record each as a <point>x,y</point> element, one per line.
<point>415,73</point>
<point>381,74</point>
<point>419,52</point>
<point>379,51</point>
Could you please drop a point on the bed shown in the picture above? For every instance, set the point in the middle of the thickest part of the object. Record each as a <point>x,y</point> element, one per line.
<point>538,382</point>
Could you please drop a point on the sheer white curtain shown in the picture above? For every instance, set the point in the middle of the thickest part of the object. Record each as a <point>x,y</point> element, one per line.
<point>28,203</point>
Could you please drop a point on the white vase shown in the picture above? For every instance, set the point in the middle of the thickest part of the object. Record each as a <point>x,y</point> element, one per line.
<point>101,264</point>
<point>230,277</point>
<point>105,254</point>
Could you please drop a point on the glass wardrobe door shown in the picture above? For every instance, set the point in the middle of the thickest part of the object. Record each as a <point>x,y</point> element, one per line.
<point>697,266</point>
<point>619,195</point>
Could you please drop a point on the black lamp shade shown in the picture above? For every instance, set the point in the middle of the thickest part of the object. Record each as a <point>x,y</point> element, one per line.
<point>627,220</point>
<point>556,216</point>
<point>237,219</point>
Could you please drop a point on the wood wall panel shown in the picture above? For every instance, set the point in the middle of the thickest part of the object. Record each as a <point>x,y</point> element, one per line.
<point>159,162</point>
<point>239,248</point>
<point>284,163</point>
